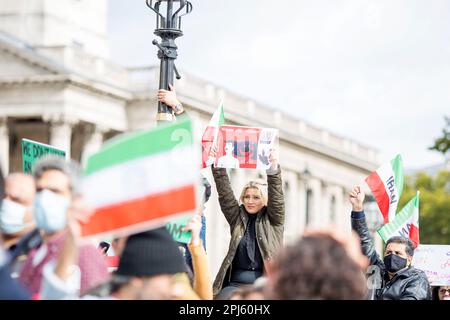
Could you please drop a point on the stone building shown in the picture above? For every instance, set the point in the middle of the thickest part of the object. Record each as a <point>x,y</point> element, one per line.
<point>58,86</point>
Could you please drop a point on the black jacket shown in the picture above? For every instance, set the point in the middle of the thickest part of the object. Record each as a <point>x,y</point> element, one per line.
<point>407,284</point>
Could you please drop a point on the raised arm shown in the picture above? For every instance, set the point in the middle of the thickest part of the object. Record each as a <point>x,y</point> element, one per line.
<point>228,203</point>
<point>202,279</point>
<point>227,200</point>
<point>275,201</point>
<point>356,197</point>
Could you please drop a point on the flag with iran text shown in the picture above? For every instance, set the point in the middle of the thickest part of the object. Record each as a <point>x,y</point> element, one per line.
<point>209,138</point>
<point>386,184</point>
<point>142,180</point>
<point>406,223</point>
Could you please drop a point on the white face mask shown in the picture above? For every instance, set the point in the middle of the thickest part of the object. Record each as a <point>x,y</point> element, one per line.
<point>11,217</point>
<point>50,211</point>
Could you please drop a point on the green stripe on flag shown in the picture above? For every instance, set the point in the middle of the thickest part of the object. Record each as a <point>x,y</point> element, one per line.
<point>221,117</point>
<point>397,167</point>
<point>140,144</point>
<point>401,218</point>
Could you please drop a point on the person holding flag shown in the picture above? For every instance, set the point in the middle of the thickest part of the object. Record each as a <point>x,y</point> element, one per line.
<point>399,279</point>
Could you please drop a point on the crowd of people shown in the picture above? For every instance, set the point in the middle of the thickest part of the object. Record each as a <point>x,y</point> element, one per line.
<point>41,256</point>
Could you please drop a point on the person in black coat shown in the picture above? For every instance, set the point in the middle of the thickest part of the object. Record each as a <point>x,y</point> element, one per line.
<point>397,278</point>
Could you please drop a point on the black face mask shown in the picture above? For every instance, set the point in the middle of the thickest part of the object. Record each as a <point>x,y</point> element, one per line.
<point>394,263</point>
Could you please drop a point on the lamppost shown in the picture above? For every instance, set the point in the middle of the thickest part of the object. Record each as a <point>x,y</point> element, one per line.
<point>168,27</point>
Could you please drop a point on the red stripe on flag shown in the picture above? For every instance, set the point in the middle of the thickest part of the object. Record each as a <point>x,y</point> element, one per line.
<point>414,235</point>
<point>379,191</point>
<point>140,210</point>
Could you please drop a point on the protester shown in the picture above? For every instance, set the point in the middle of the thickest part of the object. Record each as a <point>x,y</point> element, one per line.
<point>206,193</point>
<point>441,293</point>
<point>16,216</point>
<point>169,98</point>
<point>201,282</point>
<point>57,183</point>
<point>9,288</point>
<point>322,265</point>
<point>256,227</point>
<point>399,279</point>
<point>146,270</point>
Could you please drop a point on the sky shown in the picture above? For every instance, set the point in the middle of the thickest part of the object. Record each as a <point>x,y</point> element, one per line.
<point>375,71</point>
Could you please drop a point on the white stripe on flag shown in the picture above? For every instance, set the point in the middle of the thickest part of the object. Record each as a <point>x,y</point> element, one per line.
<point>121,182</point>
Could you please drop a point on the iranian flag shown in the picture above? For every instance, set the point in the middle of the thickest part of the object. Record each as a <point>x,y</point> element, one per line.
<point>406,223</point>
<point>387,185</point>
<point>141,180</point>
<point>209,138</point>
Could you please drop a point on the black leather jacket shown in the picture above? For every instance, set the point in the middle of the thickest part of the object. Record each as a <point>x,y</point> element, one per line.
<point>407,284</point>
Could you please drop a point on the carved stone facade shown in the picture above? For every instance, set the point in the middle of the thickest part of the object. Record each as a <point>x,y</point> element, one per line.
<point>59,88</point>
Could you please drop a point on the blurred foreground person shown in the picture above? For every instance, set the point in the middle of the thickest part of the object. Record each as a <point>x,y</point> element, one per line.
<point>57,184</point>
<point>322,265</point>
<point>9,288</point>
<point>16,215</point>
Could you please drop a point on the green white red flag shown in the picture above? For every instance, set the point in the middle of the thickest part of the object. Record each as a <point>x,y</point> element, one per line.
<point>406,223</point>
<point>209,138</point>
<point>386,184</point>
<point>141,180</point>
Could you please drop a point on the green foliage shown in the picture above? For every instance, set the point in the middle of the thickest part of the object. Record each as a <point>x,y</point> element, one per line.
<point>442,144</point>
<point>434,205</point>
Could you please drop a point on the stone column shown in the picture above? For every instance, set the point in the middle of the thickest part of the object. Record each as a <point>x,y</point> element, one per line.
<point>93,142</point>
<point>4,146</point>
<point>61,135</point>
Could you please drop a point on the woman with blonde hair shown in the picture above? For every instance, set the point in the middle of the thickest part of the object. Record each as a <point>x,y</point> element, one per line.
<point>256,227</point>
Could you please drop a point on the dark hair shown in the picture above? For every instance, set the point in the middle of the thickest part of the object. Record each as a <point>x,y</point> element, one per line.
<point>104,246</point>
<point>409,245</point>
<point>316,267</point>
<point>207,187</point>
<point>435,292</point>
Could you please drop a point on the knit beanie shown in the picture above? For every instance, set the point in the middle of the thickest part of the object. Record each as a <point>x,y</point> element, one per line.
<point>151,253</point>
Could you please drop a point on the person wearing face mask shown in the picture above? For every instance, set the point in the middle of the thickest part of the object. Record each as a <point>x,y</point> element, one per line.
<point>9,288</point>
<point>16,217</point>
<point>441,293</point>
<point>256,227</point>
<point>399,279</point>
<point>57,185</point>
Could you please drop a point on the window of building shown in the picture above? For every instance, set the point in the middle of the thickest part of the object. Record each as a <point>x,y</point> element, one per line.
<point>309,195</point>
<point>333,209</point>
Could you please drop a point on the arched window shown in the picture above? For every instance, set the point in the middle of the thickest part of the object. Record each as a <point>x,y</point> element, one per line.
<point>333,209</point>
<point>309,195</point>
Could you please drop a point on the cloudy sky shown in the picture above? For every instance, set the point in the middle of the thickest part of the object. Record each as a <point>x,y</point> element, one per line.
<point>376,71</point>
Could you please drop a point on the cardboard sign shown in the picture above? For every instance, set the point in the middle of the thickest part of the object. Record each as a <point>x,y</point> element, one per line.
<point>434,260</point>
<point>32,151</point>
<point>175,228</point>
<point>245,147</point>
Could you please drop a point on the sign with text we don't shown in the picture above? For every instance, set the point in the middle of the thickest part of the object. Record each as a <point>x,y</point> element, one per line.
<point>434,260</point>
<point>33,150</point>
<point>245,147</point>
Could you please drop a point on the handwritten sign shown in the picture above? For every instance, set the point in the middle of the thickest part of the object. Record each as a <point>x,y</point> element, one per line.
<point>175,228</point>
<point>245,147</point>
<point>32,151</point>
<point>434,260</point>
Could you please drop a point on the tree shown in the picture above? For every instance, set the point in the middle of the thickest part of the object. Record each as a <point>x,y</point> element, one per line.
<point>442,144</point>
<point>434,205</point>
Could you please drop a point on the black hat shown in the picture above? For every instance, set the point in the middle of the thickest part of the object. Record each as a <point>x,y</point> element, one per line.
<point>151,253</point>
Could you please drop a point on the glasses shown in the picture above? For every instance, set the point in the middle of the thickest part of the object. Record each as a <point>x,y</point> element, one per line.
<point>443,291</point>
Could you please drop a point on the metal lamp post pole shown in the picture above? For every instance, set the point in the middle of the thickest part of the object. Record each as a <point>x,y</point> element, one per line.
<point>168,27</point>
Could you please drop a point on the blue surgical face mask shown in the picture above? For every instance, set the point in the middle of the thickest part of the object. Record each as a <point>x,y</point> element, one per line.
<point>50,211</point>
<point>11,217</point>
